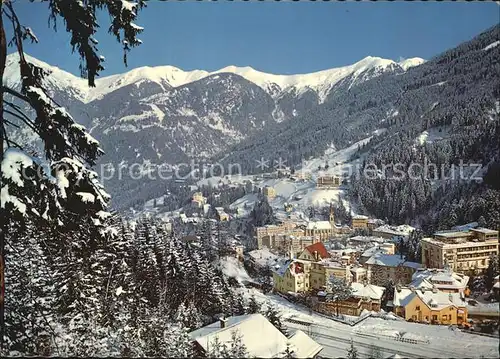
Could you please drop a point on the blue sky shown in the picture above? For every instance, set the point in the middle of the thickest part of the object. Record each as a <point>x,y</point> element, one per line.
<point>273,37</point>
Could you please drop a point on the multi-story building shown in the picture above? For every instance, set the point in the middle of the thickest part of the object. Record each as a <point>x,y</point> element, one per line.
<point>278,236</point>
<point>322,271</point>
<point>360,222</point>
<point>289,243</point>
<point>385,268</point>
<point>466,251</point>
<point>328,182</point>
<point>293,276</point>
<point>430,306</point>
<point>445,280</point>
<point>314,253</point>
<point>322,229</point>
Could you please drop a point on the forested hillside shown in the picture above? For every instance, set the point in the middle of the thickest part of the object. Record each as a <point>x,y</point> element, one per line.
<point>442,112</point>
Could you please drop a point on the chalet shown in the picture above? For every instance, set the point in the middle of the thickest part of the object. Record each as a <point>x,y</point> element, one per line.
<point>444,280</point>
<point>364,297</point>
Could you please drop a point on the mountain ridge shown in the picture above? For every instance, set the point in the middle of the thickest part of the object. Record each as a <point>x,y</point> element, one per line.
<point>173,77</point>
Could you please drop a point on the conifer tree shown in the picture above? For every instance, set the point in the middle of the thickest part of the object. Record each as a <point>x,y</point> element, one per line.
<point>28,189</point>
<point>274,317</point>
<point>253,306</point>
<point>352,352</point>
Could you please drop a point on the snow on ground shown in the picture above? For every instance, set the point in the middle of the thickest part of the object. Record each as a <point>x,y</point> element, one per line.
<point>492,45</point>
<point>337,160</point>
<point>231,267</point>
<point>443,341</point>
<point>433,134</point>
<point>435,334</point>
<point>244,204</point>
<point>480,307</point>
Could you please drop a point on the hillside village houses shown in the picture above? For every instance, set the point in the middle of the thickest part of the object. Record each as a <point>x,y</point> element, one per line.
<point>440,282</point>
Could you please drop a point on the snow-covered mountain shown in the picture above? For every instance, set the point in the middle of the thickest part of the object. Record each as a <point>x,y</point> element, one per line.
<point>163,114</point>
<point>170,77</point>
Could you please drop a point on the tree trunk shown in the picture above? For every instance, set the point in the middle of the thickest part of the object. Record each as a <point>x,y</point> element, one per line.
<point>3,221</point>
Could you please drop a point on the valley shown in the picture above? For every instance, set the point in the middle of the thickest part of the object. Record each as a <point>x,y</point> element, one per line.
<point>323,202</point>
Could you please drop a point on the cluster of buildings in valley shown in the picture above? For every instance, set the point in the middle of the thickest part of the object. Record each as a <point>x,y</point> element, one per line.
<point>433,291</point>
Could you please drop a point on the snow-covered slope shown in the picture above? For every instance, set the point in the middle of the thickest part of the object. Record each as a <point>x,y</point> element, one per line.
<point>412,62</point>
<point>320,81</point>
<point>58,79</point>
<point>169,76</point>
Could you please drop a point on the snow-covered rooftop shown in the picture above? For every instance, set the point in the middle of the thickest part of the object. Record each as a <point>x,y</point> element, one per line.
<point>263,257</point>
<point>367,290</point>
<point>439,278</point>
<point>319,225</point>
<point>303,346</point>
<point>260,337</point>
<point>434,299</point>
<point>401,230</point>
<point>391,260</point>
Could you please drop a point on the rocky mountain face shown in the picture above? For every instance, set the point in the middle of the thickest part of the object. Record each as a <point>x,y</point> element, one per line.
<point>166,115</point>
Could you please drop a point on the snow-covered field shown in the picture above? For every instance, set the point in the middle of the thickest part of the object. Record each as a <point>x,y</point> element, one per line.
<point>231,267</point>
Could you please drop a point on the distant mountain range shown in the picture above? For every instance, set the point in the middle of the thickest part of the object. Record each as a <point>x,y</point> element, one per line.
<point>166,115</point>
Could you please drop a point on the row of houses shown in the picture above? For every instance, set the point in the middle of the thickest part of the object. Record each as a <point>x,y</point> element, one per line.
<point>434,296</point>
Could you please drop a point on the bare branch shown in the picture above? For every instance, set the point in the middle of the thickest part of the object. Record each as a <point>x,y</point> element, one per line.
<point>22,119</point>
<point>15,93</point>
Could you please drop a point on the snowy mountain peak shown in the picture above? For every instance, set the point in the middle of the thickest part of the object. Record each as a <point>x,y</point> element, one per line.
<point>411,62</point>
<point>170,76</point>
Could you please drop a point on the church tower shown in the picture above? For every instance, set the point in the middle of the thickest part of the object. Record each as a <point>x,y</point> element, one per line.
<point>331,217</point>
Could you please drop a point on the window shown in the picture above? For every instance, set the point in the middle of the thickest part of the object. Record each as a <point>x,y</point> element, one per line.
<point>434,317</point>
<point>445,317</point>
<point>417,307</point>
